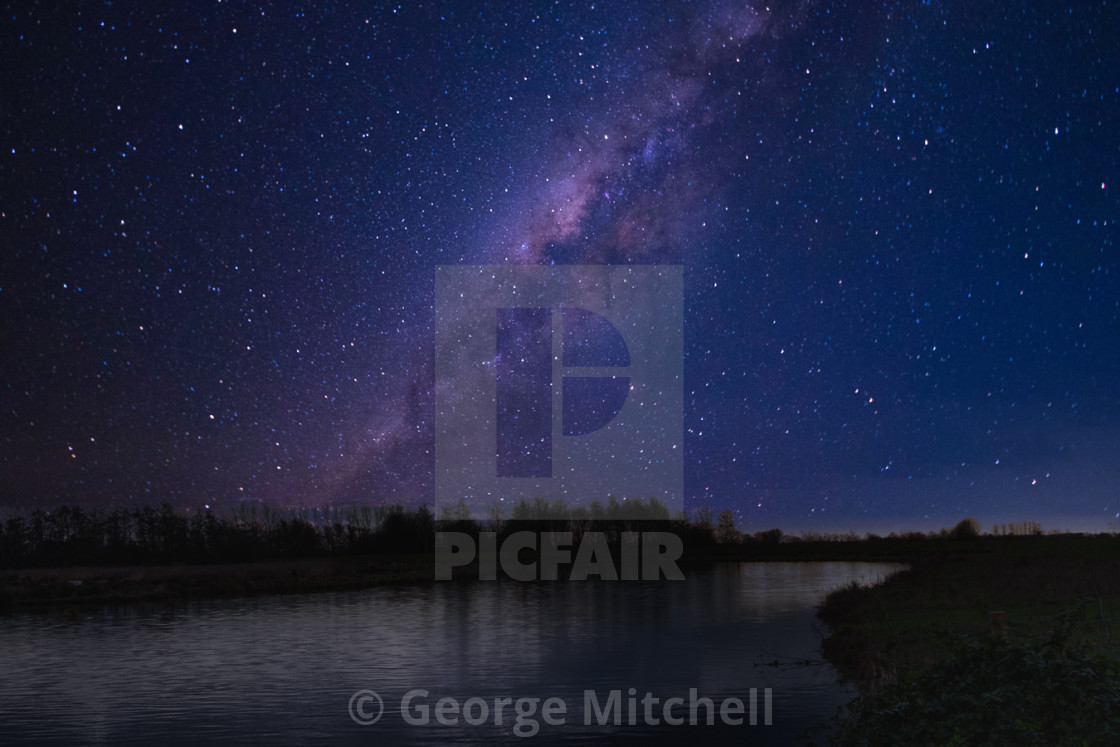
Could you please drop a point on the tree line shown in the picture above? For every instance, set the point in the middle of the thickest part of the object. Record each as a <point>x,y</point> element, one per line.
<point>73,535</point>
<point>138,535</point>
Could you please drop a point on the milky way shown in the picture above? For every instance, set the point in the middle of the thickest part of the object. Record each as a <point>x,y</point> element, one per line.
<point>896,223</point>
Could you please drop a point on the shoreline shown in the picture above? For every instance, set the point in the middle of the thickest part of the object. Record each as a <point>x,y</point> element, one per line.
<point>47,589</point>
<point>949,584</point>
<point>50,589</point>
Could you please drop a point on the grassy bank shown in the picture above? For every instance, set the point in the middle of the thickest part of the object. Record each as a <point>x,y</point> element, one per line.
<point>1043,586</point>
<point>1003,640</point>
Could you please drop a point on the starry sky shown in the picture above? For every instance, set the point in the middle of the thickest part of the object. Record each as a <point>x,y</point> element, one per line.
<point>897,224</point>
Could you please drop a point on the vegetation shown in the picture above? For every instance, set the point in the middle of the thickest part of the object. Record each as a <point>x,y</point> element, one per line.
<point>70,555</point>
<point>70,535</point>
<point>1002,639</point>
<point>882,631</point>
<point>990,690</point>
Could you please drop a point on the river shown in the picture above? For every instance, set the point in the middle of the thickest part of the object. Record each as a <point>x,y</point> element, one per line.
<point>302,669</point>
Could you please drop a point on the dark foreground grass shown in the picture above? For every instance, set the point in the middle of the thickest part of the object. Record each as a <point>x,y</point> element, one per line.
<point>992,691</point>
<point>1043,586</point>
<point>1000,641</point>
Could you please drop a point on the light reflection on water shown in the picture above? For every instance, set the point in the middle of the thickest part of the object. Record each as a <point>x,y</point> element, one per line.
<point>282,669</point>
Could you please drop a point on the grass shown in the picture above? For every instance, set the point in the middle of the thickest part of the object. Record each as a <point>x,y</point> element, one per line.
<point>989,691</point>
<point>1041,584</point>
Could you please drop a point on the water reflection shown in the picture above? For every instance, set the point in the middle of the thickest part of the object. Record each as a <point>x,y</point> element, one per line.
<point>282,669</point>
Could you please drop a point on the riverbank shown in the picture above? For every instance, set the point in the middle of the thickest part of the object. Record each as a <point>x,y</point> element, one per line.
<point>1027,588</point>
<point>66,588</point>
<point>63,588</point>
<point>952,584</point>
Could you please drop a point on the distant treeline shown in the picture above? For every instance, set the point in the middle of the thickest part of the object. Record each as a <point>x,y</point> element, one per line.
<point>72,535</point>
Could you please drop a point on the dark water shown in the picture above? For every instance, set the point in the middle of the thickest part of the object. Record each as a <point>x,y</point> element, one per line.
<point>283,670</point>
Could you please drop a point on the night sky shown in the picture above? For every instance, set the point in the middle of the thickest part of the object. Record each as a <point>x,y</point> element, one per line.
<point>897,224</point>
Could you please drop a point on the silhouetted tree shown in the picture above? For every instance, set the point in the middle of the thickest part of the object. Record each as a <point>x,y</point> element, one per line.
<point>725,528</point>
<point>968,528</point>
<point>770,536</point>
